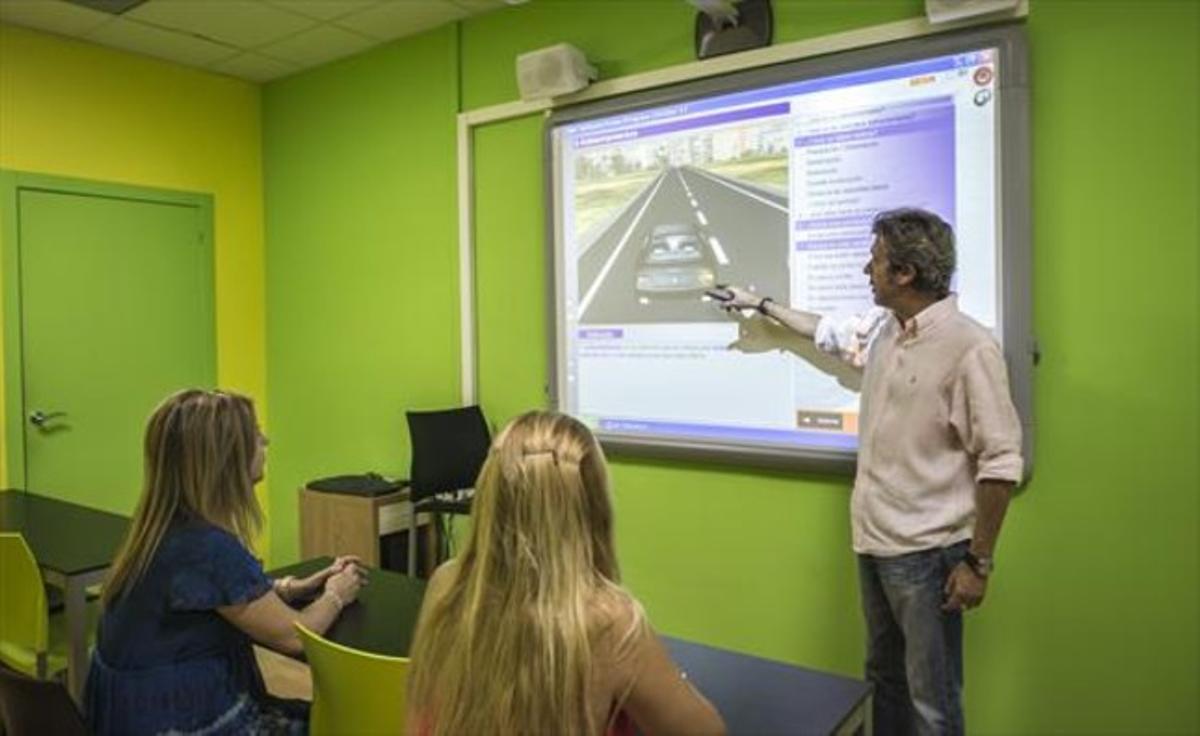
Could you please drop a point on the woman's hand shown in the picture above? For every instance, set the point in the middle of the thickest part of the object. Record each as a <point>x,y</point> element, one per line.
<point>300,588</point>
<point>346,583</point>
<point>269,621</point>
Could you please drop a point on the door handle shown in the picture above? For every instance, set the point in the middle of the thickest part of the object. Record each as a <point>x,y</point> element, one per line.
<point>39,418</point>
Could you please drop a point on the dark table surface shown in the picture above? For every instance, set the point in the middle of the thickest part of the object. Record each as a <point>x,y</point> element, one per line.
<point>754,695</point>
<point>65,537</point>
<point>763,696</point>
<point>383,618</point>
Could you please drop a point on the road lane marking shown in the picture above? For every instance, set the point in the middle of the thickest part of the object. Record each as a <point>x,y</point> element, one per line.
<point>700,216</point>
<point>718,251</point>
<point>591,292</point>
<point>740,190</point>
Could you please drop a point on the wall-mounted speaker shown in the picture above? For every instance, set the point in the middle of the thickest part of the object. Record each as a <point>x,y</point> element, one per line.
<point>944,11</point>
<point>555,70</point>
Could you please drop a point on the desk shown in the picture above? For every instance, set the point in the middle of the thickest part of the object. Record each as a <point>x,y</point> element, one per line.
<point>762,696</point>
<point>351,524</point>
<point>74,546</point>
<point>754,695</point>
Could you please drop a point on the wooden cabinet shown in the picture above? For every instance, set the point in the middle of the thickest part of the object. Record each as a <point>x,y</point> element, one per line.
<point>334,524</point>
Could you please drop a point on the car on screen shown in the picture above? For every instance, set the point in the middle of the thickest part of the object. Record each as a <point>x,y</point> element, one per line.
<point>675,259</point>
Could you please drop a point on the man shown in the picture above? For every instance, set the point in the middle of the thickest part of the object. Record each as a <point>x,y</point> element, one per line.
<point>939,455</point>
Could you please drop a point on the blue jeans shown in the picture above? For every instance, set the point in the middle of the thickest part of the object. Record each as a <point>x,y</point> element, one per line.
<point>914,648</point>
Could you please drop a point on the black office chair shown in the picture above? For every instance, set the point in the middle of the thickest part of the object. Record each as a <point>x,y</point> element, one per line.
<point>448,450</point>
<point>30,707</point>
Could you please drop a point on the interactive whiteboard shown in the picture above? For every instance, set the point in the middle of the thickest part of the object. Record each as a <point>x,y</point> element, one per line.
<point>770,179</point>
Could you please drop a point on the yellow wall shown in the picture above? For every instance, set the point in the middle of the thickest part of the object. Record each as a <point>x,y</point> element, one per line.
<point>75,109</point>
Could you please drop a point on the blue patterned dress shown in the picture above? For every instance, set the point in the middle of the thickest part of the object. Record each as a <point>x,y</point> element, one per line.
<point>167,663</point>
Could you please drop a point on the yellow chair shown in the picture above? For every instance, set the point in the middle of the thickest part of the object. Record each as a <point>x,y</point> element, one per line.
<point>354,692</point>
<point>31,640</point>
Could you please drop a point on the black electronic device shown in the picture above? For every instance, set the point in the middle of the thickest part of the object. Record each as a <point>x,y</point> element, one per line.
<point>366,484</point>
<point>750,27</point>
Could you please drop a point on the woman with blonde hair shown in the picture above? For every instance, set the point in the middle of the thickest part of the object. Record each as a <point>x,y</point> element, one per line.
<point>185,597</point>
<point>528,630</point>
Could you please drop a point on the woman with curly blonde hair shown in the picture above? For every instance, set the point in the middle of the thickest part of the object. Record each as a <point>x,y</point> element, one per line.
<point>528,630</point>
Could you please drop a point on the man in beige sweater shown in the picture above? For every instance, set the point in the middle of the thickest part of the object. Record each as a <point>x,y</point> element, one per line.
<point>939,454</point>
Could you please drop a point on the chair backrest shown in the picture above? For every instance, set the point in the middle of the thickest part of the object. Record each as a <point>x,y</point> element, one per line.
<point>30,707</point>
<point>23,614</point>
<point>353,691</point>
<point>448,449</point>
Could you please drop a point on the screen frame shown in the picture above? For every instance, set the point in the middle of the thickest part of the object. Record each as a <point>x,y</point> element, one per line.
<point>1013,229</point>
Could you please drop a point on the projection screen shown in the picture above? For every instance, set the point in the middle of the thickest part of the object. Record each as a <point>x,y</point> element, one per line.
<point>769,179</point>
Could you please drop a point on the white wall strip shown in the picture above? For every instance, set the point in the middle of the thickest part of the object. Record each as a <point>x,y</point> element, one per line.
<point>466,264</point>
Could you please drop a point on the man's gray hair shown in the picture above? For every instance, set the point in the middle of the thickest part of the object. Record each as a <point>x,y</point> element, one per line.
<point>920,239</point>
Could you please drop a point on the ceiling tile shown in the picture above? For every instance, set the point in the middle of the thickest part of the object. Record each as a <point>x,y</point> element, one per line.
<point>254,67</point>
<point>171,45</point>
<point>54,16</point>
<point>241,23</point>
<point>323,9</point>
<point>318,45</point>
<point>401,18</point>
<point>287,35</point>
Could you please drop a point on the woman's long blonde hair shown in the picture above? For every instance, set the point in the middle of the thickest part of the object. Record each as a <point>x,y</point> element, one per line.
<point>510,647</point>
<point>198,452</point>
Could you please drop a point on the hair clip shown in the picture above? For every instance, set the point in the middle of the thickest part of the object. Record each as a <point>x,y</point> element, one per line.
<point>534,453</point>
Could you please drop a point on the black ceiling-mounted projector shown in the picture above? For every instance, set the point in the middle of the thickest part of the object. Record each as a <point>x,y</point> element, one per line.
<point>728,26</point>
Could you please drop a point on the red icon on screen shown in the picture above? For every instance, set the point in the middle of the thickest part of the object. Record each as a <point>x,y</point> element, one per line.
<point>983,75</point>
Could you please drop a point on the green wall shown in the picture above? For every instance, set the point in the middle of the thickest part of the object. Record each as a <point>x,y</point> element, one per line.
<point>361,231</point>
<point>1091,622</point>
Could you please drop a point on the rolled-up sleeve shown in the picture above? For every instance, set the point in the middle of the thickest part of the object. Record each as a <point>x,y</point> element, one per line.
<point>982,413</point>
<point>850,336</point>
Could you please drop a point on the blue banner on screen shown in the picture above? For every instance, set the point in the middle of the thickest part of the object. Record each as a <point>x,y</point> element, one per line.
<point>772,188</point>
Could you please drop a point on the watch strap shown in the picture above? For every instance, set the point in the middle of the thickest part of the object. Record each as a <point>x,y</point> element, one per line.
<point>982,566</point>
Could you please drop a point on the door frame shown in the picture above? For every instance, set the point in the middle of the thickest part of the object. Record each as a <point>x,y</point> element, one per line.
<point>12,183</point>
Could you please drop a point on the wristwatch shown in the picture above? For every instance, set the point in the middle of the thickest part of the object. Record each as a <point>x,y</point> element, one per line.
<point>983,566</point>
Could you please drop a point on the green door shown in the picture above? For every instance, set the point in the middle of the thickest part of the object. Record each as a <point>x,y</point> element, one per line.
<point>116,311</point>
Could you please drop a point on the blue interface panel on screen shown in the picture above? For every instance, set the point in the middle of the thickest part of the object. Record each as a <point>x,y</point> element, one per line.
<point>773,188</point>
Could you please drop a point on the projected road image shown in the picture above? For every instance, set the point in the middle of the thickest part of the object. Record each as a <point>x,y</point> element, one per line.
<point>688,229</point>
